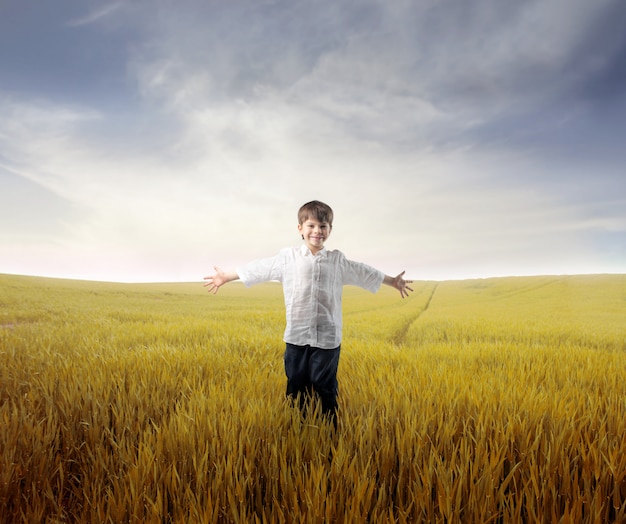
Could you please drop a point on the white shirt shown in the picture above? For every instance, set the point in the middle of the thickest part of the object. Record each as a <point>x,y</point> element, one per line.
<point>312,286</point>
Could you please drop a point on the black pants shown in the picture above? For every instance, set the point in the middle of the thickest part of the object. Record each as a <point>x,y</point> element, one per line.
<point>313,370</point>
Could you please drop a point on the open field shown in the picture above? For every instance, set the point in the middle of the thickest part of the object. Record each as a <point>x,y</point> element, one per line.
<point>497,400</point>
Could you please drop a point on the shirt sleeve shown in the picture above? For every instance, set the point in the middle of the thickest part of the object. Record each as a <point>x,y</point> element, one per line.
<point>262,270</point>
<point>362,275</point>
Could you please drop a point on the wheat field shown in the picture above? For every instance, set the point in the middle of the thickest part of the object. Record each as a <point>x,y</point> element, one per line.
<point>495,400</point>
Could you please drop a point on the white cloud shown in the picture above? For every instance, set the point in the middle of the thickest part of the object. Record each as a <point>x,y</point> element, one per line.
<point>95,15</point>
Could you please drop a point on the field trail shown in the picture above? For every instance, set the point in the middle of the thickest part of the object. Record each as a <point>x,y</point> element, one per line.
<point>399,335</point>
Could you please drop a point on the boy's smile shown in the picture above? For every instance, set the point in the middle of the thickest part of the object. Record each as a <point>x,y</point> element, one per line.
<point>314,233</point>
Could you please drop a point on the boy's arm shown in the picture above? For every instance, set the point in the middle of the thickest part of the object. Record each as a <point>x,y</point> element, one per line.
<point>399,283</point>
<point>214,282</point>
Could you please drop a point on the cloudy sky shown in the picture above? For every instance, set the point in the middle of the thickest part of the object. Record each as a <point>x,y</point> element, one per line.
<point>150,140</point>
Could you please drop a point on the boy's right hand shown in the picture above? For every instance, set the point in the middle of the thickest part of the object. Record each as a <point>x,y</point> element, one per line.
<point>214,282</point>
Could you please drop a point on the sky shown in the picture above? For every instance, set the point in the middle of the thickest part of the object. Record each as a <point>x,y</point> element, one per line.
<point>147,141</point>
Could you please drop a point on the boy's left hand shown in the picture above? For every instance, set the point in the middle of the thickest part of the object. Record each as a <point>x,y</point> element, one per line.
<point>401,285</point>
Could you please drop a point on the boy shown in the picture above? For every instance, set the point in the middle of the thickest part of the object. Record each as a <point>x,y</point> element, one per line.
<point>312,278</point>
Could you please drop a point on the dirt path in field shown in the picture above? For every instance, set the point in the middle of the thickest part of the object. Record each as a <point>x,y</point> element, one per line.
<point>400,334</point>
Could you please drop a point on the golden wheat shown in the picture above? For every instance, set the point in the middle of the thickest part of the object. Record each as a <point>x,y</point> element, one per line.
<point>498,400</point>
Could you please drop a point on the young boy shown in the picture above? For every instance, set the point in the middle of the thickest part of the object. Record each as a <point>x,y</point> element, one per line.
<point>312,278</point>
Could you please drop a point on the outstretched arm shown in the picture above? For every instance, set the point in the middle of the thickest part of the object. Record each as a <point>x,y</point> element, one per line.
<point>399,283</point>
<point>215,282</point>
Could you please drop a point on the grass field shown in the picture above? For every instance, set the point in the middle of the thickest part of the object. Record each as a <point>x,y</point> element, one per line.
<point>496,400</point>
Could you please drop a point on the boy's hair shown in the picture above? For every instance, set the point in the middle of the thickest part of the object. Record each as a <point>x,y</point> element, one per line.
<point>315,209</point>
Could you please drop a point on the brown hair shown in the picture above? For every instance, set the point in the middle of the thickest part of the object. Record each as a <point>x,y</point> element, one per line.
<point>315,209</point>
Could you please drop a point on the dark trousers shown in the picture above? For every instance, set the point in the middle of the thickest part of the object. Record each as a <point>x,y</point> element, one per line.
<point>313,370</point>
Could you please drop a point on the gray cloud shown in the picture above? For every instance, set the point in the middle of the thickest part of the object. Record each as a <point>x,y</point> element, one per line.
<point>411,72</point>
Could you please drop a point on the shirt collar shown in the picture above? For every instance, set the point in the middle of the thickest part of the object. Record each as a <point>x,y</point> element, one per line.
<point>307,252</point>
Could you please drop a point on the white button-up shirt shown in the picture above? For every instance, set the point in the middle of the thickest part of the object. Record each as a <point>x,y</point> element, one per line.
<point>312,285</point>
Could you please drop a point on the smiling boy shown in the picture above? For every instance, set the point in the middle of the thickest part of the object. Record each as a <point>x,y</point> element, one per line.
<point>312,278</point>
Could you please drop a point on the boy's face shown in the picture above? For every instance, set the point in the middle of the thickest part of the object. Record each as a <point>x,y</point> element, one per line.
<point>314,233</point>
